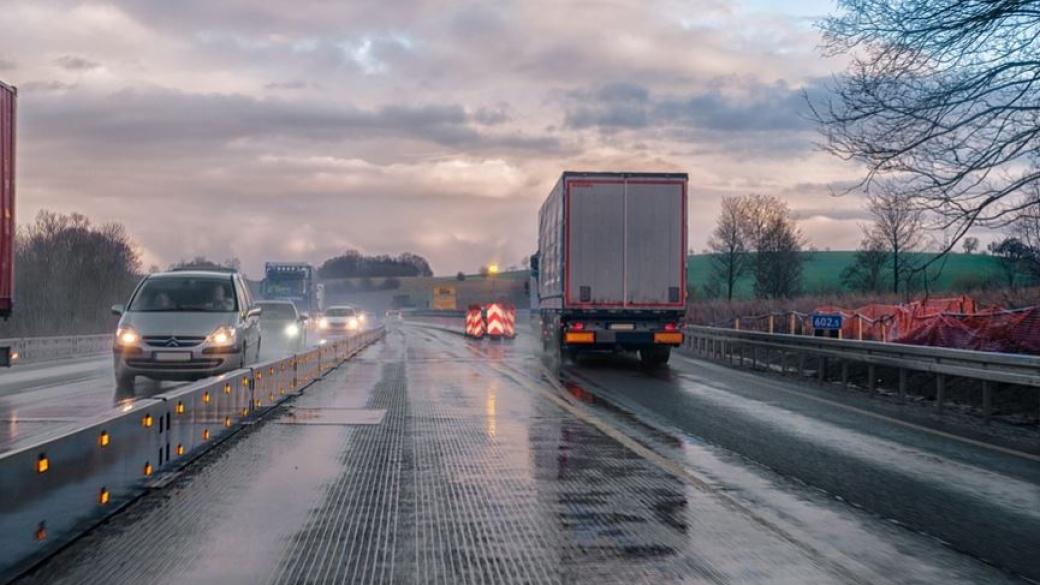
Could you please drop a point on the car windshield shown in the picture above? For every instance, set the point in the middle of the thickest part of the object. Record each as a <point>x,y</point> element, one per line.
<point>185,293</point>
<point>340,312</point>
<point>277,311</point>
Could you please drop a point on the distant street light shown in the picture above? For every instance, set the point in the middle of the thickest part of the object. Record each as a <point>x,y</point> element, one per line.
<point>492,269</point>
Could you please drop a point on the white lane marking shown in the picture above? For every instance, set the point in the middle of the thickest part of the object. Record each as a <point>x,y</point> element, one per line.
<point>772,384</point>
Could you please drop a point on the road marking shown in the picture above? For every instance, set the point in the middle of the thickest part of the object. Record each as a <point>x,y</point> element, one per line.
<point>774,385</point>
<point>680,471</point>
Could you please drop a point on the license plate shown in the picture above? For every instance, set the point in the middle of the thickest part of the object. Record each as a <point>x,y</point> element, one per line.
<point>622,326</point>
<point>173,356</point>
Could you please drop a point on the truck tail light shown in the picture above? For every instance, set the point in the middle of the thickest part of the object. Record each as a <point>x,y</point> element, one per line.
<point>579,326</point>
<point>671,327</point>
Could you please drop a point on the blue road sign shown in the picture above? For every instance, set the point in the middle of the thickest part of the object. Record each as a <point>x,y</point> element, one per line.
<point>826,322</point>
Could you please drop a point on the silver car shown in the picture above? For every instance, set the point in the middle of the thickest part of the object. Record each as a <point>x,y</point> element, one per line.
<point>185,325</point>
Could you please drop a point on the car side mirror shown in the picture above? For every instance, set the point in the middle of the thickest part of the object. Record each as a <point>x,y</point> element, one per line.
<point>118,310</point>
<point>254,312</point>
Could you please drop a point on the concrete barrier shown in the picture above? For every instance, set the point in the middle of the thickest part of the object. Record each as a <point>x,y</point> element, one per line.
<point>53,488</point>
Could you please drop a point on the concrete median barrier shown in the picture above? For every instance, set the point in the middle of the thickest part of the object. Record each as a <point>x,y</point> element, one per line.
<point>54,488</point>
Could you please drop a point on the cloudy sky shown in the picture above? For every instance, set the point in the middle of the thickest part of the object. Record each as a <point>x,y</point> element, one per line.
<point>272,130</point>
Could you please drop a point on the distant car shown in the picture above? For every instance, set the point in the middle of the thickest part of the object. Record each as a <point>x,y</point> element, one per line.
<point>340,319</point>
<point>286,328</point>
<point>186,325</point>
<point>393,315</point>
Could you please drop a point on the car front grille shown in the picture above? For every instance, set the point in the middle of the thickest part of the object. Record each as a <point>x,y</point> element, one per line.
<point>173,340</point>
<point>173,366</point>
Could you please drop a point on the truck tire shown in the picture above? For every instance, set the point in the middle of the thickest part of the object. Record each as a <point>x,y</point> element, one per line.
<point>655,357</point>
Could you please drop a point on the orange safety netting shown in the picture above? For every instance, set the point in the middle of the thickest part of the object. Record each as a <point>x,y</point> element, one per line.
<point>955,322</point>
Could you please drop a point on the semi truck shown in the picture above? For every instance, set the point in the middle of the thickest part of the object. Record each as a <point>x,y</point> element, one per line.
<point>611,264</point>
<point>293,281</point>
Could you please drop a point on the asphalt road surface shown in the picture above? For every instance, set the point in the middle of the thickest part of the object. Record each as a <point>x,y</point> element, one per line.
<point>430,458</point>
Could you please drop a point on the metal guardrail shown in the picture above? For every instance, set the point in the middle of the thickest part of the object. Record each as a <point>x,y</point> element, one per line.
<point>988,367</point>
<point>41,349</point>
<point>53,488</point>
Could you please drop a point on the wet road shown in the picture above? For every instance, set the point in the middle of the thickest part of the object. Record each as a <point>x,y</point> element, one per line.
<point>37,400</point>
<point>433,459</point>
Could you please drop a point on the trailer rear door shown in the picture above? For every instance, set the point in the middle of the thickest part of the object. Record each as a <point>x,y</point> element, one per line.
<point>655,243</point>
<point>596,248</point>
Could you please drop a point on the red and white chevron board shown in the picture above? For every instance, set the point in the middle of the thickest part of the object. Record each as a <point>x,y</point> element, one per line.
<point>474,322</point>
<point>510,323</point>
<point>496,320</point>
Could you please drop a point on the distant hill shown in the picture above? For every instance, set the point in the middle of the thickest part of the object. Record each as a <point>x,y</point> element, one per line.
<point>823,272</point>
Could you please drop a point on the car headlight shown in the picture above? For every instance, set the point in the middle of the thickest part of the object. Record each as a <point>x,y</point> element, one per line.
<point>352,323</point>
<point>222,336</point>
<point>126,336</point>
<point>323,323</point>
<point>361,318</point>
<point>292,330</point>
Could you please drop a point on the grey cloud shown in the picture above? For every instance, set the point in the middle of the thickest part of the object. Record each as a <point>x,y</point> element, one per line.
<point>6,65</point>
<point>161,119</point>
<point>773,107</point>
<point>832,213</point>
<point>74,63</point>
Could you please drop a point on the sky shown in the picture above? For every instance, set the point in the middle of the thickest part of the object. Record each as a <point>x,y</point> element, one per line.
<point>271,130</point>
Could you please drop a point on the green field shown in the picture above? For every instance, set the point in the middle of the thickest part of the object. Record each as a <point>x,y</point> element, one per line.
<point>822,272</point>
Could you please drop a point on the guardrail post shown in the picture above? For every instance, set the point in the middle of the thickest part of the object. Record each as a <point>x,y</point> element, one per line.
<point>845,374</point>
<point>801,364</point>
<point>736,323</point>
<point>821,370</point>
<point>790,324</point>
<point>770,324</point>
<point>987,400</point>
<point>872,374</point>
<point>859,326</point>
<point>940,391</point>
<point>902,384</point>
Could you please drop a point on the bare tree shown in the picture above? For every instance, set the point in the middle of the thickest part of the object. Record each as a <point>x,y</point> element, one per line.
<point>899,229</point>
<point>777,244</point>
<point>728,244</point>
<point>70,272</point>
<point>970,244</point>
<point>867,271</point>
<point>942,95</point>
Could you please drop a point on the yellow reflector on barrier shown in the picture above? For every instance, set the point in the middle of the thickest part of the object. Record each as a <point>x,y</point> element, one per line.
<point>257,403</point>
<point>227,421</point>
<point>147,420</point>
<point>180,449</point>
<point>227,388</point>
<point>205,397</point>
<point>579,337</point>
<point>147,469</point>
<point>42,464</point>
<point>180,408</point>
<point>245,411</point>
<point>205,434</point>
<point>41,532</point>
<point>245,381</point>
<point>670,337</point>
<point>103,496</point>
<point>102,439</point>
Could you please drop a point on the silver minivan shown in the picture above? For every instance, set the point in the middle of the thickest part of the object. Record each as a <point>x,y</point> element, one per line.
<point>186,325</point>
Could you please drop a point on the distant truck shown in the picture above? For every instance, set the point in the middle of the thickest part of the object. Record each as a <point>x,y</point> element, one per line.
<point>8,96</point>
<point>611,264</point>
<point>443,298</point>
<point>293,281</point>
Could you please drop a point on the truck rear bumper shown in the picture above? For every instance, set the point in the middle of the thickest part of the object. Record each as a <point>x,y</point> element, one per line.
<point>626,340</point>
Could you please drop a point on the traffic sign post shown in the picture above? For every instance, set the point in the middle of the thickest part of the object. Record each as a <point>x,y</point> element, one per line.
<point>827,322</point>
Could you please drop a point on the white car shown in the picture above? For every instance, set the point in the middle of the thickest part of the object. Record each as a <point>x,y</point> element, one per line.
<point>339,319</point>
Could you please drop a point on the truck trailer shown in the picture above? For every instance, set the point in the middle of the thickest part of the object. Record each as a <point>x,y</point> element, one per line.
<point>611,264</point>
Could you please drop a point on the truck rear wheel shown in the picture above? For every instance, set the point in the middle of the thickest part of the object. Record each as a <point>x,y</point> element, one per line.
<point>655,357</point>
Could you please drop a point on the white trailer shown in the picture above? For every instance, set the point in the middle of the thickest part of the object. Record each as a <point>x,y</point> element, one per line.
<point>611,262</point>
